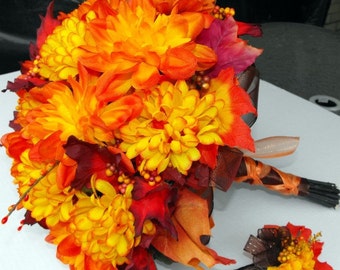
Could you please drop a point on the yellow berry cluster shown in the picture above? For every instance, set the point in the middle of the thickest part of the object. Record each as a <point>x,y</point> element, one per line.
<point>123,181</point>
<point>152,177</point>
<point>290,247</point>
<point>221,13</point>
<point>110,169</point>
<point>199,81</point>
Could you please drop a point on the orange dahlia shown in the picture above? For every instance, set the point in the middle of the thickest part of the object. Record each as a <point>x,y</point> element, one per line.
<point>136,40</point>
<point>86,109</point>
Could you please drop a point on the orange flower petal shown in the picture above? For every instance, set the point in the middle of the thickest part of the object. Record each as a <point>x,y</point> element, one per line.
<point>206,57</point>
<point>15,144</point>
<point>111,86</point>
<point>120,111</point>
<point>145,76</point>
<point>66,172</point>
<point>67,248</point>
<point>178,63</point>
<point>48,150</point>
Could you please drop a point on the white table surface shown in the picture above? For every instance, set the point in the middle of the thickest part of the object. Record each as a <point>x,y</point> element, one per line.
<point>239,212</point>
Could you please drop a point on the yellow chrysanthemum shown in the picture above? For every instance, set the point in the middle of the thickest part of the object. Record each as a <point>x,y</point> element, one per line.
<point>174,122</point>
<point>26,171</point>
<point>83,9</point>
<point>60,53</point>
<point>100,227</point>
<point>45,200</point>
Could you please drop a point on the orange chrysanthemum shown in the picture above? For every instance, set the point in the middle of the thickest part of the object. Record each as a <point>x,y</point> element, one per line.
<point>82,11</point>
<point>87,109</point>
<point>126,37</point>
<point>34,170</point>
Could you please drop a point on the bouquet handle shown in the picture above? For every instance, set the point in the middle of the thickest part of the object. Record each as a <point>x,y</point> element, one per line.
<point>255,172</point>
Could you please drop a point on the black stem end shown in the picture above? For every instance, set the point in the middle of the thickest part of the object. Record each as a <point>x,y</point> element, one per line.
<point>323,193</point>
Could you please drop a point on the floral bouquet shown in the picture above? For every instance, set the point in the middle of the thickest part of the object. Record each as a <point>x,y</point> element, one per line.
<point>129,113</point>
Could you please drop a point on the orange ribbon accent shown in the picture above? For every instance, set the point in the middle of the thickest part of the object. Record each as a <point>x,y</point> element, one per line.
<point>262,174</point>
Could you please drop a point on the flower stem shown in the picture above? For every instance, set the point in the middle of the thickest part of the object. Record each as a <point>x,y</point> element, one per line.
<point>24,195</point>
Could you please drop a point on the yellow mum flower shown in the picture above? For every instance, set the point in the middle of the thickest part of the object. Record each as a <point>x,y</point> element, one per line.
<point>45,200</point>
<point>60,53</point>
<point>100,227</point>
<point>174,122</point>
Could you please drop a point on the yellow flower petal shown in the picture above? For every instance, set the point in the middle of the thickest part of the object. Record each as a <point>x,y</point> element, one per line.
<point>176,147</point>
<point>193,154</point>
<point>96,213</point>
<point>105,187</point>
<point>155,142</point>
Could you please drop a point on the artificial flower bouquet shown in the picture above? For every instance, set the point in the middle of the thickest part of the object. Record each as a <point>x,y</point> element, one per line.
<point>129,113</point>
